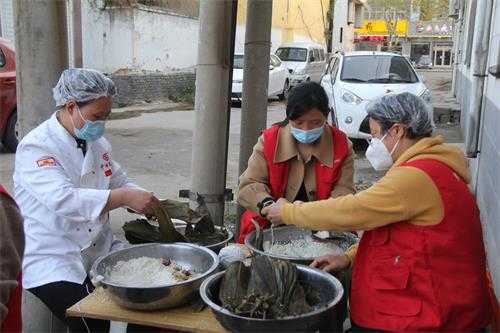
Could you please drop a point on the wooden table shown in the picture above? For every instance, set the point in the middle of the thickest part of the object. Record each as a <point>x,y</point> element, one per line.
<point>99,305</point>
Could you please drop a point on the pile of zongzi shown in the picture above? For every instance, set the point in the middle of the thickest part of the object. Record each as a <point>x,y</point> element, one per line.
<point>267,289</point>
<point>200,228</point>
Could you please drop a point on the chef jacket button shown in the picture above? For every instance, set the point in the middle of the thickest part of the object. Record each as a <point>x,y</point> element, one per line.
<point>90,230</point>
<point>77,229</point>
<point>93,244</point>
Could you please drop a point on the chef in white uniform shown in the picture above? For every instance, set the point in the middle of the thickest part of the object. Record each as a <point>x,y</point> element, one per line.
<point>66,182</point>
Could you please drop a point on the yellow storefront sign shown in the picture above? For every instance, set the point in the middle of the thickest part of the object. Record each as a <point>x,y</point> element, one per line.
<point>379,28</point>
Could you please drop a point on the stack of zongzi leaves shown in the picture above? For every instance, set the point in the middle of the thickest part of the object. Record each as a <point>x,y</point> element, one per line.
<point>267,289</point>
<point>199,229</point>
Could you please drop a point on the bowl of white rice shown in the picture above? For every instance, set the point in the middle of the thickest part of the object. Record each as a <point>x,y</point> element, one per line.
<point>299,245</point>
<point>155,276</point>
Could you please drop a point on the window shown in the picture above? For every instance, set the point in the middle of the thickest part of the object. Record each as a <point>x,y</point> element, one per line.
<point>377,69</point>
<point>2,59</point>
<point>341,34</point>
<point>316,55</point>
<point>238,61</point>
<point>292,54</point>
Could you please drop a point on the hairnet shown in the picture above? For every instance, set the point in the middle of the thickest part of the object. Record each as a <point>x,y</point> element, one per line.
<point>82,85</point>
<point>406,109</point>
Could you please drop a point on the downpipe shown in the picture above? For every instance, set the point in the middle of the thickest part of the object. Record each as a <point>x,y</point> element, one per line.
<point>479,61</point>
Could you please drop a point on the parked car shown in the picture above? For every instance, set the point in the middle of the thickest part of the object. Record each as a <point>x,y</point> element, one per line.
<point>279,82</point>
<point>424,62</point>
<point>305,61</point>
<point>8,104</point>
<point>354,79</point>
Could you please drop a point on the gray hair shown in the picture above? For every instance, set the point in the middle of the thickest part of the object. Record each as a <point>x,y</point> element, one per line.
<point>82,85</point>
<point>406,109</point>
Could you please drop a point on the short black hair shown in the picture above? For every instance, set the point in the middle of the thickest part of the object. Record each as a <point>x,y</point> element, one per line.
<point>305,97</point>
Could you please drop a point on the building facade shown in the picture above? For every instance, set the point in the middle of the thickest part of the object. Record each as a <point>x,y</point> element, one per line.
<point>347,16</point>
<point>433,39</point>
<point>476,85</point>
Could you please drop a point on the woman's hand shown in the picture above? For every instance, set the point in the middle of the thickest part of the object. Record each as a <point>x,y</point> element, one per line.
<point>273,212</point>
<point>141,201</point>
<point>331,263</point>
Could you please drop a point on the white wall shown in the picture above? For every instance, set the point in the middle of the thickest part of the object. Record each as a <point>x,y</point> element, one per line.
<point>116,39</point>
<point>488,170</point>
<point>485,169</point>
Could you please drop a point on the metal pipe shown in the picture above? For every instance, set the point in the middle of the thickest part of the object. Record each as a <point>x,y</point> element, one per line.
<point>211,105</point>
<point>41,56</point>
<point>480,48</point>
<point>255,78</point>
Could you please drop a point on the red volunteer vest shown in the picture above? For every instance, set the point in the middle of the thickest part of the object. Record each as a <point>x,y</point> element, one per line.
<point>13,321</point>
<point>414,278</point>
<point>278,175</point>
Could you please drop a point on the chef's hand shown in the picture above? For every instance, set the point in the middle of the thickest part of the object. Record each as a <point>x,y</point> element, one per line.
<point>331,263</point>
<point>141,201</point>
<point>273,212</point>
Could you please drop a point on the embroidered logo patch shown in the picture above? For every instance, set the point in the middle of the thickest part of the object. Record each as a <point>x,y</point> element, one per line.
<point>46,162</point>
<point>105,157</point>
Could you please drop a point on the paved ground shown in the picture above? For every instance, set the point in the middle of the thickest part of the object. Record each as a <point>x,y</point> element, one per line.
<point>153,143</point>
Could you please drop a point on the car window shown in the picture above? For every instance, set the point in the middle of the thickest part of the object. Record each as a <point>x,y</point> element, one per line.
<point>292,54</point>
<point>316,55</point>
<point>275,61</point>
<point>2,58</point>
<point>238,61</point>
<point>311,56</point>
<point>377,69</point>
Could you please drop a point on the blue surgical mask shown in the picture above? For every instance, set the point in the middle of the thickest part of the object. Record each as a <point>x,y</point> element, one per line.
<point>309,136</point>
<point>91,130</point>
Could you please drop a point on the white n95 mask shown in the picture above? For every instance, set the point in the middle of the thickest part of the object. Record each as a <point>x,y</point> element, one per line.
<point>378,155</point>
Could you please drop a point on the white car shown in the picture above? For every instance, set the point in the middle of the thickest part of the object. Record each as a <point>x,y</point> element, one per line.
<point>279,83</point>
<point>305,61</point>
<point>354,79</point>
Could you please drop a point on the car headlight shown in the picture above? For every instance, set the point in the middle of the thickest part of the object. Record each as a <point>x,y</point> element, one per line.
<point>351,98</point>
<point>426,96</point>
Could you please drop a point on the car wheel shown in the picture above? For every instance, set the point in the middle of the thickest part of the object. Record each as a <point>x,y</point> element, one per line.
<point>286,90</point>
<point>10,139</point>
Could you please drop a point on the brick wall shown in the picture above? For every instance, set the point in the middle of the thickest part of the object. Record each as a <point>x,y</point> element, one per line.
<point>152,87</point>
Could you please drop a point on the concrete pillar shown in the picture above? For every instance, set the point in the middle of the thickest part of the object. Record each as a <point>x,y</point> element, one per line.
<point>213,72</point>
<point>41,55</point>
<point>255,76</point>
<point>76,23</point>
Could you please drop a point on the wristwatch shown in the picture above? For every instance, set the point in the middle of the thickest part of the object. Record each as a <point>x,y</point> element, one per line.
<point>264,203</point>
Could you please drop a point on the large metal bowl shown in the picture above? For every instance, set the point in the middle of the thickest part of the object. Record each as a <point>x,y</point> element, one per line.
<point>322,318</point>
<point>216,247</point>
<point>288,233</point>
<point>197,259</point>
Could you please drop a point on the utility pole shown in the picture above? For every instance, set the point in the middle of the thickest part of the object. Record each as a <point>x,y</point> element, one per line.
<point>255,77</point>
<point>41,56</point>
<point>213,73</point>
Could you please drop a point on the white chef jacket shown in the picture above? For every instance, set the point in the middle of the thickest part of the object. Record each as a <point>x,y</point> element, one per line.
<point>61,195</point>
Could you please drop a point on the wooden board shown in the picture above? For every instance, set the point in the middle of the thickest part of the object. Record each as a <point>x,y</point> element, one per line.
<point>99,305</point>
